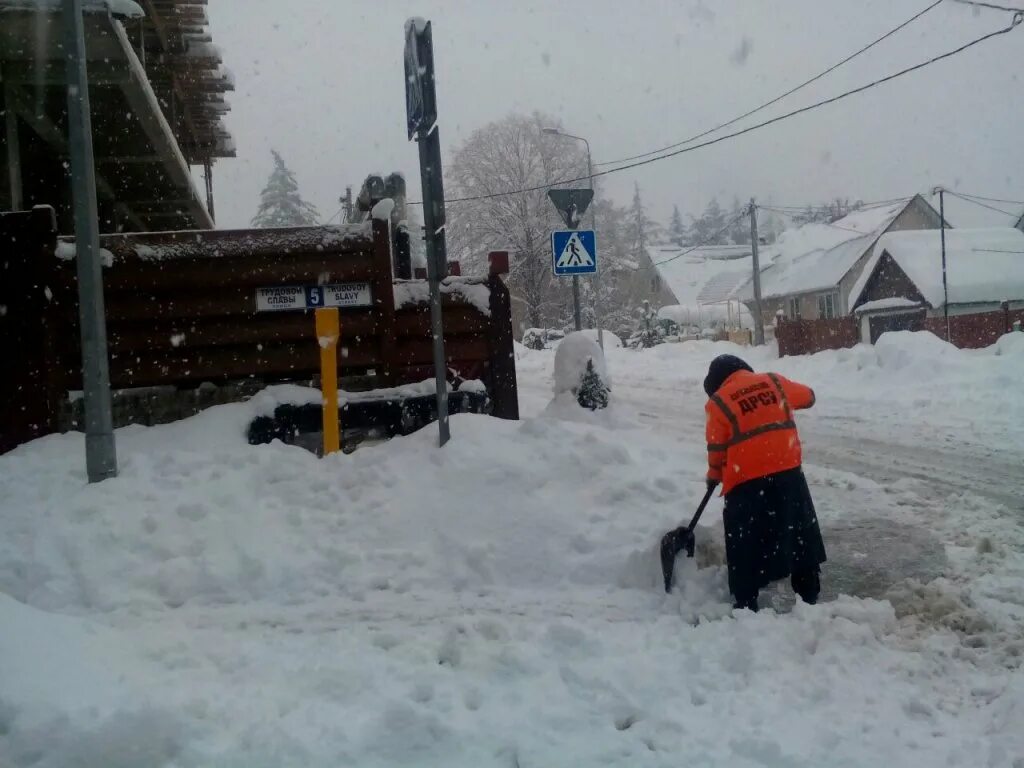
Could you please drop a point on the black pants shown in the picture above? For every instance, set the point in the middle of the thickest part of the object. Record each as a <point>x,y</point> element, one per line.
<point>806,583</point>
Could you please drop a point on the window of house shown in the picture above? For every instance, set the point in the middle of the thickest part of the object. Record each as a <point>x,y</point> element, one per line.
<point>794,308</point>
<point>827,305</point>
<point>655,283</point>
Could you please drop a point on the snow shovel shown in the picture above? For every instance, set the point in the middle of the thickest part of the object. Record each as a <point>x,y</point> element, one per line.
<point>675,541</point>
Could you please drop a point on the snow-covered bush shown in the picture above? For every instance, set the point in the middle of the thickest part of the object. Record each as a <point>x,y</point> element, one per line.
<point>580,370</point>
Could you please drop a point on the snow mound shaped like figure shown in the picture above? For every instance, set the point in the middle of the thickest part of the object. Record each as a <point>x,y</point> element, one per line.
<point>580,370</point>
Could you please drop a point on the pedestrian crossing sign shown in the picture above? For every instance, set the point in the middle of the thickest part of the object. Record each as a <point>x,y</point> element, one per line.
<point>574,252</point>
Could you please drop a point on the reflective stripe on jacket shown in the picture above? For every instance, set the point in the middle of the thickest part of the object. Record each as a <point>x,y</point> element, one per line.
<point>750,427</point>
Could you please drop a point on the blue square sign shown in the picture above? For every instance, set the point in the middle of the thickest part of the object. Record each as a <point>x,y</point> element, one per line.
<point>574,252</point>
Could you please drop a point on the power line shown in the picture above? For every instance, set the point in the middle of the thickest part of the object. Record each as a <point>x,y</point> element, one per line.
<point>779,98</point>
<point>333,217</point>
<point>981,204</point>
<point>990,6</point>
<point>991,199</point>
<point>757,126</point>
<point>863,206</point>
<point>706,241</point>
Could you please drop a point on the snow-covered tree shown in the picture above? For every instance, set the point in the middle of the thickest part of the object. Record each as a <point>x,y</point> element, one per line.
<point>739,229</point>
<point>710,228</point>
<point>640,227</point>
<point>592,392</point>
<point>281,205</point>
<point>647,334</point>
<point>508,155</point>
<point>676,228</point>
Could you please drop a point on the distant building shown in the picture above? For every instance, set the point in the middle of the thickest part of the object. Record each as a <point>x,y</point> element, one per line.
<point>809,272</point>
<point>690,285</point>
<point>902,281</point>
<point>156,86</point>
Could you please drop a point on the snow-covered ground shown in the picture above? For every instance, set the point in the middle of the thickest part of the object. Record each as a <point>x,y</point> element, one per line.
<point>496,602</point>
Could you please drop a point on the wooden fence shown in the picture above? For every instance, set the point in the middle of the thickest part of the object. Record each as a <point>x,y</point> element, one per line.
<point>183,308</point>
<point>805,337</point>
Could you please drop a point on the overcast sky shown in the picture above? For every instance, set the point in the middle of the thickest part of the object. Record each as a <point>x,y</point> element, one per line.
<point>321,81</point>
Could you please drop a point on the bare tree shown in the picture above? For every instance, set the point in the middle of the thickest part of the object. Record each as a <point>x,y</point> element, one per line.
<point>501,158</point>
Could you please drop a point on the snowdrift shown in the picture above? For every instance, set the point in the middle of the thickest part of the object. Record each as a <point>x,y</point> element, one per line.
<point>493,603</point>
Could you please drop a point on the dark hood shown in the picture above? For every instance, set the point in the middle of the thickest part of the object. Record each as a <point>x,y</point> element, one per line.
<point>721,368</point>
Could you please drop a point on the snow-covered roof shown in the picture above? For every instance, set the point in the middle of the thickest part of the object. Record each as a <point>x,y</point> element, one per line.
<point>816,257</point>
<point>689,273</point>
<point>722,287</point>
<point>127,8</point>
<point>892,303</point>
<point>982,265</point>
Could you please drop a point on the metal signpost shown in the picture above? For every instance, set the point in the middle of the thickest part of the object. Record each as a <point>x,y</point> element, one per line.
<point>421,114</point>
<point>573,256</point>
<point>100,451</point>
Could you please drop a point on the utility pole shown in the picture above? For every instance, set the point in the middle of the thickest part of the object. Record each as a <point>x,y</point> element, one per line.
<point>100,452</point>
<point>758,317</point>
<point>346,203</point>
<point>942,238</point>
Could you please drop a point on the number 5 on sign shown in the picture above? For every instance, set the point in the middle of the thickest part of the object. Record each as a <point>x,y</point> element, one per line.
<point>328,329</point>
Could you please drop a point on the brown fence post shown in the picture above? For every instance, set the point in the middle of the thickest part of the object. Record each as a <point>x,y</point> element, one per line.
<point>384,302</point>
<point>503,390</point>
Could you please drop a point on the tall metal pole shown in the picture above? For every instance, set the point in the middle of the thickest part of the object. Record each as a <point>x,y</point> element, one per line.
<point>942,236</point>
<point>437,264</point>
<point>100,453</point>
<point>593,226</point>
<point>576,302</point>
<point>758,317</point>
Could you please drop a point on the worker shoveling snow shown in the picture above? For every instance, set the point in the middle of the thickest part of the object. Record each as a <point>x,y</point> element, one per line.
<point>493,603</point>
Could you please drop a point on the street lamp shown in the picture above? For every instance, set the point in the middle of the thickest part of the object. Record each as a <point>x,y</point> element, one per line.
<point>593,225</point>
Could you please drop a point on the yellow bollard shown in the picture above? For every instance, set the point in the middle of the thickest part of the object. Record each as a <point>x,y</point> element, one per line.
<point>328,330</point>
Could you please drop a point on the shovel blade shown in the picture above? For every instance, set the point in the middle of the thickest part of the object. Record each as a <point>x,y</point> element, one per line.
<point>672,543</point>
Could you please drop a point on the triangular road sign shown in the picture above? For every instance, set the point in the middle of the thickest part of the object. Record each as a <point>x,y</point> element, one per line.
<point>574,254</point>
<point>571,204</point>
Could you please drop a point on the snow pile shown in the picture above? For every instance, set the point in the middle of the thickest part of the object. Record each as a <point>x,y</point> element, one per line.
<point>66,251</point>
<point>472,291</point>
<point>382,211</point>
<point>571,358</point>
<point>611,341</point>
<point>892,303</point>
<point>489,604</point>
<point>495,602</point>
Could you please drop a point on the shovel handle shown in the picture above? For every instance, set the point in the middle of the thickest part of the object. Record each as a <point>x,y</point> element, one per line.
<point>700,509</point>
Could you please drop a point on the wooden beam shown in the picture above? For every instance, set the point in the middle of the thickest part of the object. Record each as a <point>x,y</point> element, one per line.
<point>52,135</point>
<point>146,107</point>
<point>13,148</point>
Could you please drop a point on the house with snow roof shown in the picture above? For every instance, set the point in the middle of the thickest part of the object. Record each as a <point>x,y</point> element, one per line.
<point>691,283</point>
<point>809,273</point>
<point>901,284</point>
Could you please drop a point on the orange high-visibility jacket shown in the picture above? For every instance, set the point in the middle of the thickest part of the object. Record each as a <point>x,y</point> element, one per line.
<point>750,427</point>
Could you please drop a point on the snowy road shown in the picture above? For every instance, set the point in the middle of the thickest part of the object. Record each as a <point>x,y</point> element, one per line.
<point>883,444</point>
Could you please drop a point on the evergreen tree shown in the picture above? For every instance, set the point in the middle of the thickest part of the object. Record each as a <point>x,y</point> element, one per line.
<point>676,228</point>
<point>648,335</point>
<point>592,392</point>
<point>641,228</point>
<point>710,228</point>
<point>281,205</point>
